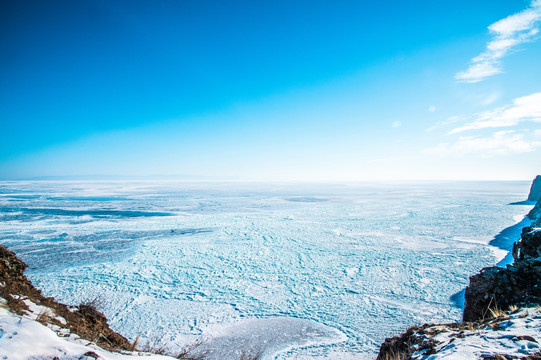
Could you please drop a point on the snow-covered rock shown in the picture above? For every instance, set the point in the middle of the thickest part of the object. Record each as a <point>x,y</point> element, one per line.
<point>22,338</point>
<point>516,335</point>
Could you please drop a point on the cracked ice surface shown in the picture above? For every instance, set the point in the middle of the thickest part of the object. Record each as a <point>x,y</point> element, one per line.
<point>305,272</point>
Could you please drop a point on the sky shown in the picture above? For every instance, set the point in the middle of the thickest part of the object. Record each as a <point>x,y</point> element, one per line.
<point>271,90</point>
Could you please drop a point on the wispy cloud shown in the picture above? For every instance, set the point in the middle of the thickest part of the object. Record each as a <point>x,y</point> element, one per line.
<point>499,143</point>
<point>508,33</point>
<point>526,108</point>
<point>448,121</point>
<point>491,98</point>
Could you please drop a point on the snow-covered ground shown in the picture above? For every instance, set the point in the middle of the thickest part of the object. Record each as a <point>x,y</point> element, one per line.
<point>310,272</point>
<point>512,337</point>
<point>22,338</point>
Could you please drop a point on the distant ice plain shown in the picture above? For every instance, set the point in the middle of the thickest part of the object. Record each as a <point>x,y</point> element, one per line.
<point>284,271</point>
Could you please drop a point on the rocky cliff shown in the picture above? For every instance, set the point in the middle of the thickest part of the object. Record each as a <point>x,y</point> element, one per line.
<point>535,190</point>
<point>535,195</point>
<point>517,284</point>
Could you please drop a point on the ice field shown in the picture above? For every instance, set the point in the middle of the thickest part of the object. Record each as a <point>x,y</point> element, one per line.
<point>280,271</point>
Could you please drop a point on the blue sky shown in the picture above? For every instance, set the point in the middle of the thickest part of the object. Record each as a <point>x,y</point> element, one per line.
<point>282,90</point>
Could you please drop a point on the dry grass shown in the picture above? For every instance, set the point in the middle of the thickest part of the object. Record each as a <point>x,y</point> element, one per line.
<point>3,303</point>
<point>498,357</point>
<point>498,313</point>
<point>495,311</point>
<point>44,316</point>
<point>394,355</point>
<point>97,302</point>
<point>187,349</point>
<point>133,345</point>
<point>154,346</point>
<point>155,349</point>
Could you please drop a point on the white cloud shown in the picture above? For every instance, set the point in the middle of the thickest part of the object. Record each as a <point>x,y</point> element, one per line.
<point>508,33</point>
<point>491,98</point>
<point>500,143</point>
<point>526,108</point>
<point>432,108</point>
<point>396,124</point>
<point>479,71</point>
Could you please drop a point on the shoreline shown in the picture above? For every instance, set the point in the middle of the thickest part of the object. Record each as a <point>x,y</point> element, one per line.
<point>505,293</point>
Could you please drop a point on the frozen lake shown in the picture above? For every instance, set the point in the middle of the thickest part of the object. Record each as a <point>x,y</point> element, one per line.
<point>280,271</point>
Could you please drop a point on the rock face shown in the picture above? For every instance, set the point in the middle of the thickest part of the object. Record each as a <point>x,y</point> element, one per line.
<point>497,288</point>
<point>85,321</point>
<point>535,190</point>
<point>517,284</point>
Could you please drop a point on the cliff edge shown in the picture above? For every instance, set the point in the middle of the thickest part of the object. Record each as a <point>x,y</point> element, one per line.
<point>517,284</point>
<point>535,189</point>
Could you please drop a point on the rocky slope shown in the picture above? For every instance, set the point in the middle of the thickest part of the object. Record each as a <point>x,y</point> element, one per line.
<point>21,296</point>
<point>494,326</point>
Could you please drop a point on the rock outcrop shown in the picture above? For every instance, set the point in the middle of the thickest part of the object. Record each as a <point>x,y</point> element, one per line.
<point>535,190</point>
<point>84,320</point>
<point>506,335</point>
<point>517,284</point>
<point>491,298</point>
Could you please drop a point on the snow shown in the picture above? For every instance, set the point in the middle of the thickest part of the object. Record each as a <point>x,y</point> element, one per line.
<point>22,338</point>
<point>36,310</point>
<point>359,263</point>
<point>514,338</point>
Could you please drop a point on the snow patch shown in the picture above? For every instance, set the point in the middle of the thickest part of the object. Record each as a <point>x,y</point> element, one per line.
<point>513,338</point>
<point>23,338</point>
<point>35,311</point>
